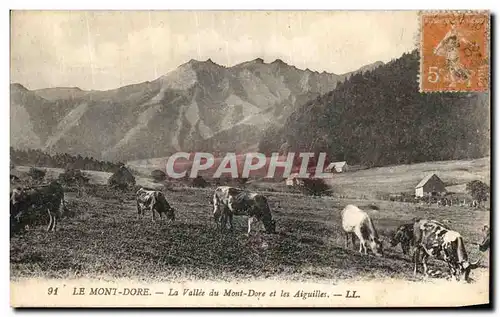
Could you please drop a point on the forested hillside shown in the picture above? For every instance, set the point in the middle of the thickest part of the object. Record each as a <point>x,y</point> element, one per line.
<point>380,118</point>
<point>61,160</point>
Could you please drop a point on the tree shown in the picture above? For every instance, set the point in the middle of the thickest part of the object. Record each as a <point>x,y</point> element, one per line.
<point>73,177</point>
<point>36,174</point>
<point>158,175</point>
<point>478,190</point>
<point>199,182</point>
<point>314,187</point>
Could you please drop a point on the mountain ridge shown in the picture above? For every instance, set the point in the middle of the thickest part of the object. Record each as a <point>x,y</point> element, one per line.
<point>198,105</point>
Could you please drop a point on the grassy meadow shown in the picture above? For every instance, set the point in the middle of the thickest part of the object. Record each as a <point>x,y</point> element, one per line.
<point>100,236</point>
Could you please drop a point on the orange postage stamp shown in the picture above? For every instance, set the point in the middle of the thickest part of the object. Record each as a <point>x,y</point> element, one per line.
<point>454,51</point>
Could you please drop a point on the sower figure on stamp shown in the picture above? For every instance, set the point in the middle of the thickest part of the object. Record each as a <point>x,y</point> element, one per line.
<point>449,49</point>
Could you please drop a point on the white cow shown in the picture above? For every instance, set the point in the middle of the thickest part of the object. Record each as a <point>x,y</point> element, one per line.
<point>357,222</point>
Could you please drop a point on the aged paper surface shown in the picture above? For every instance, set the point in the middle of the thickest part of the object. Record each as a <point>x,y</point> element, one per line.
<point>249,159</point>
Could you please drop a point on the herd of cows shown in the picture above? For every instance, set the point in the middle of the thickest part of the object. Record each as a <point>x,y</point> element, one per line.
<point>423,237</point>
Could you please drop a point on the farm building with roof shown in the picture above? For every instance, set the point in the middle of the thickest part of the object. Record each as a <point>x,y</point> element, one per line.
<point>431,185</point>
<point>337,167</point>
<point>294,180</point>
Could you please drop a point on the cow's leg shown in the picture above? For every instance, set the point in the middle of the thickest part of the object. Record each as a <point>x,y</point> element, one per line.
<point>451,271</point>
<point>153,214</point>
<point>54,221</point>
<point>54,225</point>
<point>50,220</point>
<point>416,253</point>
<point>231,221</point>
<point>346,240</point>
<point>353,240</point>
<point>250,221</point>
<point>405,246</point>
<point>361,245</point>
<point>362,242</point>
<point>223,220</point>
<point>425,256</point>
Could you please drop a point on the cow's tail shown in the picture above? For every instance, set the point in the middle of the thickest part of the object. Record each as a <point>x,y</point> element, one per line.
<point>138,207</point>
<point>62,207</point>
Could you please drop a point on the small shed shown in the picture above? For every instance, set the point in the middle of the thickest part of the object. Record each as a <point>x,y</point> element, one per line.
<point>294,180</point>
<point>337,167</point>
<point>430,185</point>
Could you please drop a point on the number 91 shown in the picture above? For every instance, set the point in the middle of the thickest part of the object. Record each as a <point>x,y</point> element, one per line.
<point>52,291</point>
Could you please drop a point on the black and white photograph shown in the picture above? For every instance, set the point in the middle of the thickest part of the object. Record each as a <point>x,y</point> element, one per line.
<point>249,158</point>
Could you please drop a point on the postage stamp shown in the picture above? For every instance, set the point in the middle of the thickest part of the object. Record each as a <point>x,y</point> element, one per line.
<point>249,159</point>
<point>454,51</point>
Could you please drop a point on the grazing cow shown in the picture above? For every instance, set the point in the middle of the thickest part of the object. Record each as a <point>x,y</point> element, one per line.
<point>435,239</point>
<point>485,244</point>
<point>356,221</point>
<point>403,235</point>
<point>230,201</point>
<point>155,201</point>
<point>27,203</point>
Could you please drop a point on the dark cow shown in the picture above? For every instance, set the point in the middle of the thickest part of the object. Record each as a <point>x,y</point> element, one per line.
<point>404,236</point>
<point>153,200</point>
<point>26,203</point>
<point>435,239</point>
<point>357,222</point>
<point>485,244</point>
<point>229,201</point>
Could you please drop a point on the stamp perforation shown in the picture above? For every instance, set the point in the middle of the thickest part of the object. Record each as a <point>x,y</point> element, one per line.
<point>420,45</point>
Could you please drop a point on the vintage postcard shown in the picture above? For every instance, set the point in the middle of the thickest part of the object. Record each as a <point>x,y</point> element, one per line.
<point>250,159</point>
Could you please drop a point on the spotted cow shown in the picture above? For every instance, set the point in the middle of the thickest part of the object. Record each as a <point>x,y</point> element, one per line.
<point>433,238</point>
<point>404,236</point>
<point>229,201</point>
<point>153,200</point>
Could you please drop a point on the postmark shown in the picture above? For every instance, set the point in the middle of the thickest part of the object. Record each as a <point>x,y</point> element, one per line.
<point>454,51</point>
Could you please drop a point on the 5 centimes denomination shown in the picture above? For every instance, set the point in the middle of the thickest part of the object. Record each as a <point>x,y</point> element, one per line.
<point>454,51</point>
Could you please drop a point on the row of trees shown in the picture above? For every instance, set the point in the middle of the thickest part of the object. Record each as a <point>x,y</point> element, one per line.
<point>37,157</point>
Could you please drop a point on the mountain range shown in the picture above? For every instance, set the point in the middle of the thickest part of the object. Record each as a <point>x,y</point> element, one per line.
<point>199,106</point>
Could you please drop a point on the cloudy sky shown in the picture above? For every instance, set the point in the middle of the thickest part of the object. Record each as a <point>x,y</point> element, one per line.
<point>108,49</point>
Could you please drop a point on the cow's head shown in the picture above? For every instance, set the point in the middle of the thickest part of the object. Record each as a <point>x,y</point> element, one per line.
<point>18,198</point>
<point>171,214</point>
<point>376,246</point>
<point>485,244</point>
<point>397,236</point>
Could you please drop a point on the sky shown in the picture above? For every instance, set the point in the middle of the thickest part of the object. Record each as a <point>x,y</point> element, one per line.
<point>109,49</point>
